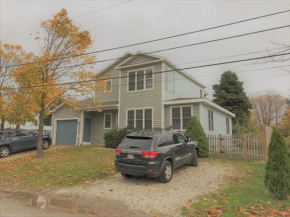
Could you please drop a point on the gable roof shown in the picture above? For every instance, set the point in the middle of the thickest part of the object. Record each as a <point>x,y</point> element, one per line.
<point>129,57</point>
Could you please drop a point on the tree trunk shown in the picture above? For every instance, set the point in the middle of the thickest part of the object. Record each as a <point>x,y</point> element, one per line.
<point>17,126</point>
<point>2,123</point>
<point>39,152</point>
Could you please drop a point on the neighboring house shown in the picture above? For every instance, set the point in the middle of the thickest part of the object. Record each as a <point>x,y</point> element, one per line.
<point>29,125</point>
<point>149,92</point>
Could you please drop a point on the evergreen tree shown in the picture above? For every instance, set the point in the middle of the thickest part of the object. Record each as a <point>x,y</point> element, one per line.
<point>230,94</point>
<point>277,178</point>
<point>196,133</point>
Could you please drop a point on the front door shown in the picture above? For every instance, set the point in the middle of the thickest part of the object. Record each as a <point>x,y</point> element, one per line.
<point>87,129</point>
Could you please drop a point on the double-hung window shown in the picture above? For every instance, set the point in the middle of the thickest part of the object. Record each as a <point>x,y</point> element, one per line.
<point>139,118</point>
<point>180,117</point>
<point>210,120</point>
<point>169,80</point>
<point>140,80</point>
<point>228,125</point>
<point>108,86</point>
<point>107,120</point>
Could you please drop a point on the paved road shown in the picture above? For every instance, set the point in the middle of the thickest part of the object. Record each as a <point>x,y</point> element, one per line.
<point>24,204</point>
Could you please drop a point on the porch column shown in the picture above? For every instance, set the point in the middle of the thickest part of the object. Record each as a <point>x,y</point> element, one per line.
<point>82,120</point>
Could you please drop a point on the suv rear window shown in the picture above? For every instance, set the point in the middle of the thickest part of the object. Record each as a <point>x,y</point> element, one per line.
<point>136,142</point>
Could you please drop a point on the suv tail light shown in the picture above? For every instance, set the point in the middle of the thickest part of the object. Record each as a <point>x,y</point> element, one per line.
<point>149,154</point>
<point>118,151</point>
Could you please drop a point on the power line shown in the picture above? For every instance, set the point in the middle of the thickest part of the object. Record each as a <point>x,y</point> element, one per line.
<point>167,49</point>
<point>193,67</point>
<point>160,39</point>
<point>115,5</point>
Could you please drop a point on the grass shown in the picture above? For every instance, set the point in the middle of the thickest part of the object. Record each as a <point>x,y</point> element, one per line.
<point>59,168</point>
<point>245,195</point>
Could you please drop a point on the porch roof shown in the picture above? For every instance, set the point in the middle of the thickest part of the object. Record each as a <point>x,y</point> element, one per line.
<point>199,100</point>
<point>89,104</point>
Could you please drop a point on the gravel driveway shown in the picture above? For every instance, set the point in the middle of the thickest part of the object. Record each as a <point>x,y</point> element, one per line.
<point>151,197</point>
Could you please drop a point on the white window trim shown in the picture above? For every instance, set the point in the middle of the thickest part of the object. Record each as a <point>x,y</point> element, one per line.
<point>181,115</point>
<point>117,120</point>
<point>144,80</point>
<point>143,108</point>
<point>170,79</point>
<point>105,122</point>
<point>212,120</point>
<point>111,85</point>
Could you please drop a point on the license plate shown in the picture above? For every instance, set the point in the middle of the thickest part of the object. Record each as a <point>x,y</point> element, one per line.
<point>131,156</point>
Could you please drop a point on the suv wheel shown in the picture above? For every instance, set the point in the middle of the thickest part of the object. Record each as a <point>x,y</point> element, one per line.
<point>45,144</point>
<point>4,151</point>
<point>194,161</point>
<point>127,176</point>
<point>166,173</point>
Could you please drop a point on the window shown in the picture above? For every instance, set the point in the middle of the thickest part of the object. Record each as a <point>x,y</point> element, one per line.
<point>148,119</point>
<point>130,117</point>
<point>140,119</point>
<point>210,120</point>
<point>186,114</point>
<point>180,117</point>
<point>169,80</point>
<point>149,78</point>
<point>140,80</point>
<point>228,125</point>
<point>108,86</point>
<point>107,120</point>
<point>132,79</point>
<point>162,141</point>
<point>180,138</point>
<point>176,118</point>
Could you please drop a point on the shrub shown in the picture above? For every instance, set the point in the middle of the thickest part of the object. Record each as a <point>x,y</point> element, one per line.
<point>196,133</point>
<point>114,137</point>
<point>277,178</point>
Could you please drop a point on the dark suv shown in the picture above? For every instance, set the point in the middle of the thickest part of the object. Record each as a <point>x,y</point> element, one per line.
<point>18,140</point>
<point>154,154</point>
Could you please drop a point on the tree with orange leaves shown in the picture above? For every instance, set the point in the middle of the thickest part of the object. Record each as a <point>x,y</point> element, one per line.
<point>62,71</point>
<point>9,95</point>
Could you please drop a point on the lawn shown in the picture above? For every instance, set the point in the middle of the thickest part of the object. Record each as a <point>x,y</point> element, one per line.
<point>59,168</point>
<point>245,195</point>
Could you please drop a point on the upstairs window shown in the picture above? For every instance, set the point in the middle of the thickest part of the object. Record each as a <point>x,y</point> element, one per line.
<point>140,80</point>
<point>169,80</point>
<point>200,92</point>
<point>108,86</point>
<point>210,120</point>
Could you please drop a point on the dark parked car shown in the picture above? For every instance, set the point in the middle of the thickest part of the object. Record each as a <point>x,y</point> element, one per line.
<point>154,154</point>
<point>18,140</point>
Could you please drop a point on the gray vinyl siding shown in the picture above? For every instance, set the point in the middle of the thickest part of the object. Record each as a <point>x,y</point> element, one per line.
<point>219,119</point>
<point>98,130</point>
<point>195,112</point>
<point>151,98</point>
<point>114,95</point>
<point>184,88</point>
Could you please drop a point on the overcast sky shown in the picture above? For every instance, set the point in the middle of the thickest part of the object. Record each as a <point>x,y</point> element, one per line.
<point>138,21</point>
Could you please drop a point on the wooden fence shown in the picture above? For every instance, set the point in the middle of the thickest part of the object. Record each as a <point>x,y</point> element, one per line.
<point>248,147</point>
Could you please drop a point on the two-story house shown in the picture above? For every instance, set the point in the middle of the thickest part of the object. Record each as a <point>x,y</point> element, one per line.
<point>145,92</point>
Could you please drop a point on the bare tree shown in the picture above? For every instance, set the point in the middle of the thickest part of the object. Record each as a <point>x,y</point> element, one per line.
<point>269,107</point>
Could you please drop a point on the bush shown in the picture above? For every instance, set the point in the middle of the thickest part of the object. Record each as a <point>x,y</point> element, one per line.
<point>196,133</point>
<point>277,178</point>
<point>114,137</point>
